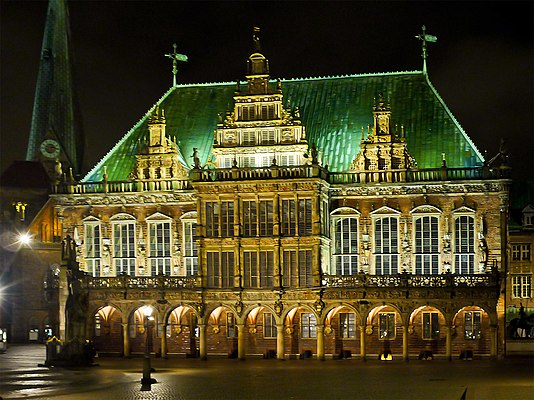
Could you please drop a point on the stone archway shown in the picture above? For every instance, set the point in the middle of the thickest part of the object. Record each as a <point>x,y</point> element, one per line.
<point>342,331</point>
<point>140,326</point>
<point>106,330</point>
<point>302,328</point>
<point>427,332</point>
<point>384,332</point>
<point>222,332</point>
<point>182,332</point>
<point>472,332</point>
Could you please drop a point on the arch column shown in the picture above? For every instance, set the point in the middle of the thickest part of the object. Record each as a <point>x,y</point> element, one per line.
<point>494,340</point>
<point>320,341</point>
<point>202,341</point>
<point>125,339</point>
<point>241,341</point>
<point>163,340</point>
<point>448,342</point>
<point>362,343</point>
<point>280,355</point>
<point>405,350</point>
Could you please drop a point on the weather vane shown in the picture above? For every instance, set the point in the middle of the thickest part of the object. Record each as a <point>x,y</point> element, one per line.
<point>175,58</point>
<point>423,37</point>
<point>256,39</point>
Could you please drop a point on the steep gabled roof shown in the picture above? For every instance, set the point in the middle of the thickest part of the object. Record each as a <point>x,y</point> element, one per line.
<point>333,110</point>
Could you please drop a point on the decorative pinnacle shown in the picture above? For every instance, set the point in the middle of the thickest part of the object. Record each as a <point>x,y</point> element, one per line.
<point>256,39</point>
<point>175,57</point>
<point>424,38</point>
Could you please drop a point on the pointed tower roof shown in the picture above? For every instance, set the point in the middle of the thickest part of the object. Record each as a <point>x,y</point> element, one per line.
<point>55,118</point>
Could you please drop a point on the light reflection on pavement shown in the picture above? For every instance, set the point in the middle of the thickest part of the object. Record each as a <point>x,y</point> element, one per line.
<point>186,379</point>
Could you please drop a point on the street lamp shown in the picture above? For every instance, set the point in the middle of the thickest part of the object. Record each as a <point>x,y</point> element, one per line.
<point>147,369</point>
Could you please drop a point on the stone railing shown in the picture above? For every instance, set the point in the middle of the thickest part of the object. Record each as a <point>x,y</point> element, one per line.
<point>141,282</point>
<point>123,186</point>
<point>328,281</point>
<point>410,281</point>
<point>416,175</point>
<point>272,172</point>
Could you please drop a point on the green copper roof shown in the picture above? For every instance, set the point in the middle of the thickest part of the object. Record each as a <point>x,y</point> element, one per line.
<point>333,110</point>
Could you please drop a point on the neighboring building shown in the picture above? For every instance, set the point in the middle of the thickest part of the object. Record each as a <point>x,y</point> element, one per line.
<point>281,227</point>
<point>520,304</point>
<point>54,153</point>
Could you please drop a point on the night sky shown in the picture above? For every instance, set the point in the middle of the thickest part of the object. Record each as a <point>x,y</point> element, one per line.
<point>482,63</point>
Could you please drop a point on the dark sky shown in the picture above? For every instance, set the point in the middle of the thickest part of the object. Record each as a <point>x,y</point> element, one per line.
<point>482,64</point>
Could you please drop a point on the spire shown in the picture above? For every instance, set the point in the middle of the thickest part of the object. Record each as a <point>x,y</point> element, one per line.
<point>175,57</point>
<point>55,133</point>
<point>424,38</point>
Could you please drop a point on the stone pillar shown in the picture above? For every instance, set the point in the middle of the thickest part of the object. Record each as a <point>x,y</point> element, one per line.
<point>202,341</point>
<point>320,341</point>
<point>126,339</point>
<point>163,341</point>
<point>405,353</point>
<point>280,342</point>
<point>362,342</point>
<point>448,342</point>
<point>494,340</point>
<point>241,341</point>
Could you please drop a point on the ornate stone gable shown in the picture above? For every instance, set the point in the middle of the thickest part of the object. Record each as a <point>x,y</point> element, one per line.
<point>383,149</point>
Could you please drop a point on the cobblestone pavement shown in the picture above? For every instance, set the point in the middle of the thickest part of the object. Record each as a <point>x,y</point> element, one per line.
<point>187,379</point>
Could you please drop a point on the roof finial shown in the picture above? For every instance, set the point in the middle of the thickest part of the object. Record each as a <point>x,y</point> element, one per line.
<point>256,39</point>
<point>423,37</point>
<point>175,58</point>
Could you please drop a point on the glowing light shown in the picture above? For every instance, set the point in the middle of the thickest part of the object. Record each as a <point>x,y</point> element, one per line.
<point>25,239</point>
<point>147,310</point>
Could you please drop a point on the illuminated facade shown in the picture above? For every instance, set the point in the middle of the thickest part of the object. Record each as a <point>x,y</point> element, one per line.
<point>320,217</point>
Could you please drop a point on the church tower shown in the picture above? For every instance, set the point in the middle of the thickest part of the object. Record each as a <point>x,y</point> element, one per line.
<point>55,135</point>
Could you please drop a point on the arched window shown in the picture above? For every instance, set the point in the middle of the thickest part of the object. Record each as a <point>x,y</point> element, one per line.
<point>426,239</point>
<point>386,241</point>
<point>92,228</point>
<point>123,228</point>
<point>159,239</point>
<point>464,241</point>
<point>345,243</point>
<point>190,250</point>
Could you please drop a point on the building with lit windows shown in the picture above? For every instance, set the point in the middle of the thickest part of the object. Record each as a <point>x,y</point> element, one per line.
<point>282,228</point>
<point>520,304</point>
<point>319,217</point>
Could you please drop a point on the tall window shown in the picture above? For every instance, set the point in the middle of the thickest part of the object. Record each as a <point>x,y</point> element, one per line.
<point>220,268</point>
<point>464,245</point>
<point>160,247</point>
<point>472,324</point>
<point>387,325</point>
<point>288,217</point>
<point>258,272</point>
<point>190,247</point>
<point>386,246</point>
<point>347,325</point>
<point>269,326</point>
<point>346,245</point>
<point>426,245</point>
<point>227,218</point>
<point>308,325</point>
<point>305,217</point>
<point>430,325</point>
<point>92,247</point>
<point>522,286</point>
<point>250,218</point>
<point>124,247</point>
<point>212,218</point>
<point>297,268</point>
<point>266,218</point>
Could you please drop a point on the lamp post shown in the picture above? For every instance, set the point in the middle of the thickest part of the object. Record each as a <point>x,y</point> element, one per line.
<point>147,369</point>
